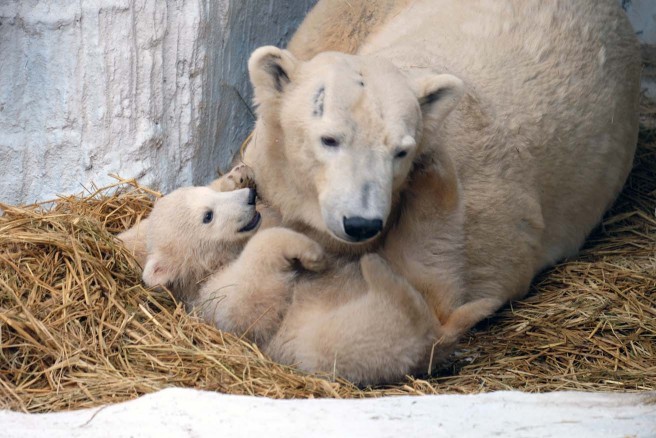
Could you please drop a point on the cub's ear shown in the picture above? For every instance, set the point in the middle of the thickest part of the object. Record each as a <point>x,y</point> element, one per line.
<point>157,271</point>
<point>271,70</point>
<point>438,94</point>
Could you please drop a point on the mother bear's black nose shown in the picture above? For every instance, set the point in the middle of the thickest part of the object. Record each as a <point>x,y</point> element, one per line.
<point>360,228</point>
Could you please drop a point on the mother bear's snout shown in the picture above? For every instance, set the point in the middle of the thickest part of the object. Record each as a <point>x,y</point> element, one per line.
<point>359,228</point>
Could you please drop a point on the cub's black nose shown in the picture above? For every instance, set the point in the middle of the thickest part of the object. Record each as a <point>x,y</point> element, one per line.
<point>360,228</point>
<point>252,194</point>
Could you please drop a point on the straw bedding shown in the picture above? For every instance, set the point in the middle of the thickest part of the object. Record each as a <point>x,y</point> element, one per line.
<point>77,329</point>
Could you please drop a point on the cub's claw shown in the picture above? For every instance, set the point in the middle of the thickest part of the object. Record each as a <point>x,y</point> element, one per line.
<point>239,177</point>
<point>243,177</point>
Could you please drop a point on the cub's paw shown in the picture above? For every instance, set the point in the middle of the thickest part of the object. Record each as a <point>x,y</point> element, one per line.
<point>282,248</point>
<point>240,177</point>
<point>312,257</point>
<point>300,249</point>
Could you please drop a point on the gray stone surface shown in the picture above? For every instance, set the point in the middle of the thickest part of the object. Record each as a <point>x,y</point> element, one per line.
<point>151,89</point>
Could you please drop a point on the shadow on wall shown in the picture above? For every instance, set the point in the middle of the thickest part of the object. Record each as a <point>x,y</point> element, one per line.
<point>228,97</point>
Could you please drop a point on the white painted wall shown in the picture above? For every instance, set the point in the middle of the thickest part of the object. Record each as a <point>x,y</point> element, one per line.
<point>151,89</point>
<point>145,88</point>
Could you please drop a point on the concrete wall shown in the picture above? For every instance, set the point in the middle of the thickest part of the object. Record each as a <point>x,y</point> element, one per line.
<point>152,89</point>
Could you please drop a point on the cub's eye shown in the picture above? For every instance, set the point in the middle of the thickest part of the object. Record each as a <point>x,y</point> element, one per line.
<point>207,218</point>
<point>330,142</point>
<point>401,154</point>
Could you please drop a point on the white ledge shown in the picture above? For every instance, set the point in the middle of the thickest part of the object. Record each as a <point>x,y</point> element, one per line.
<point>193,413</point>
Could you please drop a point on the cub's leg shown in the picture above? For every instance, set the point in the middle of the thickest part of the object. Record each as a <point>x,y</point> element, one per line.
<point>467,316</point>
<point>435,197</point>
<point>432,259</point>
<point>239,177</point>
<point>377,337</point>
<point>251,296</point>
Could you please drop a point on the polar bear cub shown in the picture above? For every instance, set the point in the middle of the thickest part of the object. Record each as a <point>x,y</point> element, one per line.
<point>195,231</point>
<point>240,177</point>
<point>280,289</point>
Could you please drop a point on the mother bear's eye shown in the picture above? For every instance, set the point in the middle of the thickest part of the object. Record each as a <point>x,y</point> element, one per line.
<point>400,154</point>
<point>208,216</point>
<point>330,142</point>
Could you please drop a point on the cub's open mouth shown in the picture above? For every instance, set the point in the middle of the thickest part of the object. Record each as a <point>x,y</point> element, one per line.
<point>253,223</point>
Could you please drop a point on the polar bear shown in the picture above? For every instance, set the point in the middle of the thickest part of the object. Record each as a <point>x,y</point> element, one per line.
<point>239,177</point>
<point>355,320</point>
<point>174,215</point>
<point>278,288</point>
<point>525,110</point>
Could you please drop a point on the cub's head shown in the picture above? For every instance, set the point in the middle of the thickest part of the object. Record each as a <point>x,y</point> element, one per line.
<point>193,230</point>
<point>336,136</point>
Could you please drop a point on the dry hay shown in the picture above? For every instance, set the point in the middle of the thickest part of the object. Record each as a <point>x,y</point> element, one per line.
<point>77,329</point>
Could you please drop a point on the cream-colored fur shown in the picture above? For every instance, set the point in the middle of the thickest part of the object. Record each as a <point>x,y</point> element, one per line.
<point>239,177</point>
<point>194,231</point>
<point>525,111</point>
<point>282,291</point>
<point>341,26</point>
<point>356,320</point>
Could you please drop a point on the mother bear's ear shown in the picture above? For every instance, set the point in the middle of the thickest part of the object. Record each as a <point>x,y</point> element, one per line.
<point>271,70</point>
<point>438,95</point>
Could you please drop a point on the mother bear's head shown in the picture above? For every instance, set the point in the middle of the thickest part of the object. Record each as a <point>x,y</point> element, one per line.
<point>336,137</point>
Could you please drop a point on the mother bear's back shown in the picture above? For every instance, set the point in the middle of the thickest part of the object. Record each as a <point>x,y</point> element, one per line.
<point>549,124</point>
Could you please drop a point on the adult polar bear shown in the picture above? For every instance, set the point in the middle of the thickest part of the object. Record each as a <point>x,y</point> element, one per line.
<point>525,110</point>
